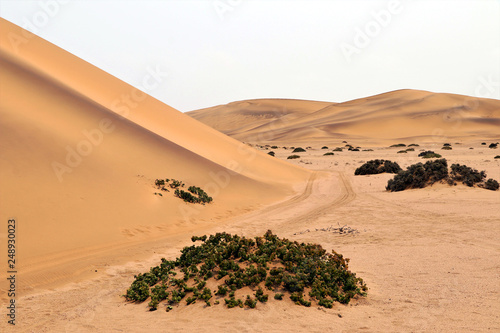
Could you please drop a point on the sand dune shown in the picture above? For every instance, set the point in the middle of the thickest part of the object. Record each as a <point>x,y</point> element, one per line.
<point>78,166</point>
<point>398,115</point>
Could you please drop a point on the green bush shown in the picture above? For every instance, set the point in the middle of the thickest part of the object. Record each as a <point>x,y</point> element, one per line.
<point>298,150</point>
<point>398,145</point>
<point>491,184</point>
<point>291,157</point>
<point>466,175</point>
<point>328,154</point>
<point>268,260</point>
<point>429,154</point>
<point>195,195</point>
<point>377,166</point>
<point>419,175</point>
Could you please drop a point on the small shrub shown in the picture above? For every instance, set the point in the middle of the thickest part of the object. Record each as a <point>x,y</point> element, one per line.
<point>446,145</point>
<point>483,143</point>
<point>493,145</point>
<point>402,152</point>
<point>413,145</point>
<point>398,145</point>
<point>491,184</point>
<point>410,149</point>
<point>429,154</point>
<point>274,147</point>
<point>291,157</point>
<point>338,149</point>
<point>271,153</point>
<point>466,175</point>
<point>278,296</point>
<point>353,149</point>
<point>446,148</point>
<point>298,150</point>
<point>377,166</point>
<point>498,156</point>
<point>324,147</point>
<point>328,154</point>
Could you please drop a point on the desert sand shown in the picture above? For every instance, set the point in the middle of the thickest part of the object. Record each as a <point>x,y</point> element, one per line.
<point>430,257</point>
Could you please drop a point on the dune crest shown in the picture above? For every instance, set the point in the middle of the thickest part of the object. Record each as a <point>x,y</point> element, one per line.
<point>80,153</point>
<point>397,115</point>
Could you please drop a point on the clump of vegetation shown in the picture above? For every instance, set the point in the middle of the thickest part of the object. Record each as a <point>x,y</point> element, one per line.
<point>377,166</point>
<point>466,175</point>
<point>271,153</point>
<point>367,149</point>
<point>419,175</point>
<point>324,147</point>
<point>410,149</point>
<point>328,154</point>
<point>483,143</point>
<point>446,148</point>
<point>262,262</point>
<point>298,150</point>
<point>195,195</point>
<point>413,145</point>
<point>491,184</point>
<point>291,157</point>
<point>493,145</point>
<point>353,149</point>
<point>398,145</point>
<point>498,156</point>
<point>402,152</point>
<point>274,147</point>
<point>429,154</point>
<point>338,149</point>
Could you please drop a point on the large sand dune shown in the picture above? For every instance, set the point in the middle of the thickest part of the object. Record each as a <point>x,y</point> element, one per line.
<point>398,115</point>
<point>78,165</point>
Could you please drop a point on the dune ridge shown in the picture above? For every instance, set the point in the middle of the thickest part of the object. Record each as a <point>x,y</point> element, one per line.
<point>80,153</point>
<point>397,115</point>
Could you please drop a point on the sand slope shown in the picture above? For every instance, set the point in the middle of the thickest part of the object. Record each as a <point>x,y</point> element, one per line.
<point>390,117</point>
<point>80,151</point>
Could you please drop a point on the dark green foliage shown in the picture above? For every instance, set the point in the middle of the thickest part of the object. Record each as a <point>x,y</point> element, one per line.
<point>291,157</point>
<point>419,175</point>
<point>176,183</point>
<point>324,147</point>
<point>466,175</point>
<point>377,166</point>
<point>195,195</point>
<point>278,296</point>
<point>328,154</point>
<point>271,153</point>
<point>491,184</point>
<point>298,150</point>
<point>429,154</point>
<point>493,145</point>
<point>398,145</point>
<point>263,261</point>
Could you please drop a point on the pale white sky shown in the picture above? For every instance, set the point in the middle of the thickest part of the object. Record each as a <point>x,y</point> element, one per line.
<point>218,51</point>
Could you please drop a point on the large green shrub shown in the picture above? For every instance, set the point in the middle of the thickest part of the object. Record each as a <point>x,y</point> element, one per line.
<point>377,166</point>
<point>237,262</point>
<point>491,184</point>
<point>419,175</point>
<point>466,175</point>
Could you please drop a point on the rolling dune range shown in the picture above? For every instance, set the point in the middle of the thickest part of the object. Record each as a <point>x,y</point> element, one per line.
<point>91,221</point>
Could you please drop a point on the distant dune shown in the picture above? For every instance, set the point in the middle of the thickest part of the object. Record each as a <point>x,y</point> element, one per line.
<point>400,115</point>
<point>80,151</point>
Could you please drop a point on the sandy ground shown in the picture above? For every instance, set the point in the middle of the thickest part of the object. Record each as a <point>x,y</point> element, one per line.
<point>430,258</point>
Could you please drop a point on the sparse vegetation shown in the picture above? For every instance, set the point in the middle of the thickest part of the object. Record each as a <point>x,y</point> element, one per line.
<point>328,154</point>
<point>298,150</point>
<point>493,145</point>
<point>429,154</point>
<point>498,156</point>
<point>447,148</point>
<point>377,166</point>
<point>324,147</point>
<point>195,195</point>
<point>413,145</point>
<point>402,152</point>
<point>267,261</point>
<point>291,157</point>
<point>419,175</point>
<point>398,145</point>
<point>410,149</point>
<point>338,149</point>
<point>271,153</point>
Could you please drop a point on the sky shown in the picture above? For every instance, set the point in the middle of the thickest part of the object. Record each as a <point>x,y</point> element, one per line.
<point>212,52</point>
